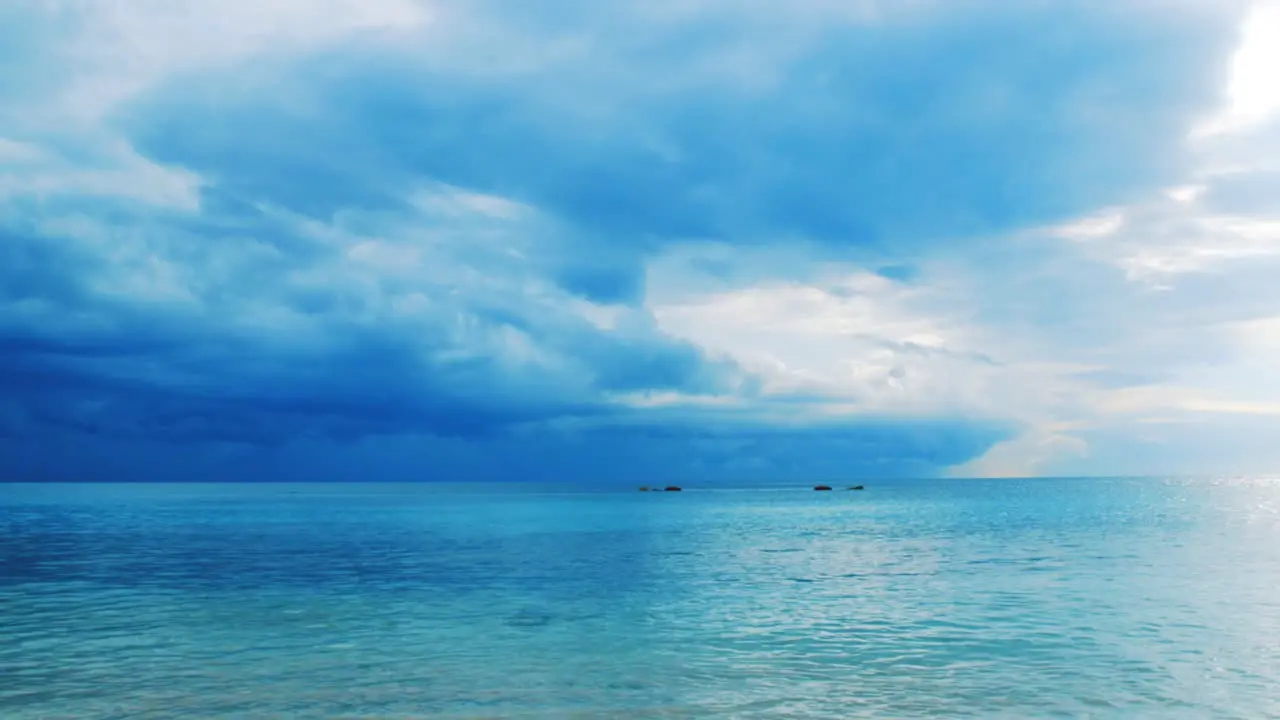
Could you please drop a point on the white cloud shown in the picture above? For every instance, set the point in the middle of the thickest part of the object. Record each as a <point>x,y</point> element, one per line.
<point>126,46</point>
<point>56,141</point>
<point>450,201</point>
<point>1174,234</point>
<point>29,170</point>
<point>1036,451</point>
<point>1208,343</point>
<point>1253,95</point>
<point>861,343</point>
<point>1186,193</point>
<point>1100,225</point>
<point>1098,359</point>
<point>835,340</point>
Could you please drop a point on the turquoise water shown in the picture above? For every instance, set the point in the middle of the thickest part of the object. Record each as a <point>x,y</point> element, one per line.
<point>1045,598</point>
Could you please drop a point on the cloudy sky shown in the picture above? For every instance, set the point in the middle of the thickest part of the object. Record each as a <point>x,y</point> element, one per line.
<point>691,240</point>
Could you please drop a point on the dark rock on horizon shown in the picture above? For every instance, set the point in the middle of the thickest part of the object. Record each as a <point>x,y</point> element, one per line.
<point>857,487</point>
<point>672,488</point>
<point>821,487</point>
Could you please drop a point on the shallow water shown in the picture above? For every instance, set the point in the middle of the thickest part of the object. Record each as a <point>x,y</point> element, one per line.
<point>1043,598</point>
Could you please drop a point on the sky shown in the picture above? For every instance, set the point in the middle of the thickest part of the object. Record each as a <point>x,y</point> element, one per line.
<point>670,240</point>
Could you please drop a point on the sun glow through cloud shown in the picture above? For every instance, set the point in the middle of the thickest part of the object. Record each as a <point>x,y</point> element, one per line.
<point>1253,90</point>
<point>1252,93</point>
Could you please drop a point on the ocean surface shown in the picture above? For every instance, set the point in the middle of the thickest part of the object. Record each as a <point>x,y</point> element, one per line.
<point>994,599</point>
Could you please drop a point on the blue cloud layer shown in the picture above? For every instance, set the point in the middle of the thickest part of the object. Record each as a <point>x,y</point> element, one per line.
<point>427,250</point>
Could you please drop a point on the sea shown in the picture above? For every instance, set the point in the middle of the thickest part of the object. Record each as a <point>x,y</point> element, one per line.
<point>1072,598</point>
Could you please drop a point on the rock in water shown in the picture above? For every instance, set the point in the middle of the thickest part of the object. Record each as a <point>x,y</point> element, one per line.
<point>821,487</point>
<point>672,488</point>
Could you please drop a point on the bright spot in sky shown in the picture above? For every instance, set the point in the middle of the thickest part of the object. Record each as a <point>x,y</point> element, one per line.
<point>1253,91</point>
<point>1254,88</point>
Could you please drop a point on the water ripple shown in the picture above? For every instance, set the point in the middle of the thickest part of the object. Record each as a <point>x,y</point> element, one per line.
<point>957,600</point>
